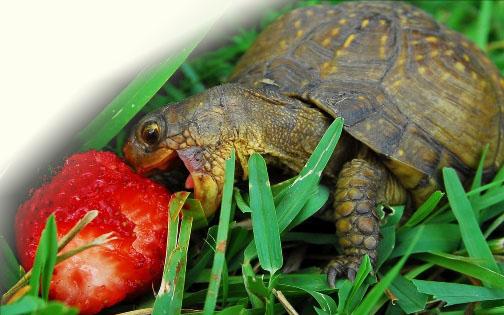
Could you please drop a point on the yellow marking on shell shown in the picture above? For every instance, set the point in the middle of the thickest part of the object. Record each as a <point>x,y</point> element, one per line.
<point>419,57</point>
<point>333,69</point>
<point>324,68</point>
<point>326,42</point>
<point>494,77</point>
<point>283,44</point>
<point>297,24</point>
<point>335,31</point>
<point>465,44</point>
<point>395,84</point>
<point>451,44</point>
<point>422,70</point>
<point>383,42</point>
<point>449,52</point>
<point>364,23</point>
<point>382,52</point>
<point>434,53</point>
<point>431,39</point>
<point>383,39</point>
<point>383,22</point>
<point>400,152</point>
<point>349,40</point>
<point>502,82</point>
<point>309,12</point>
<point>474,75</point>
<point>445,76</point>
<point>466,57</point>
<point>340,52</point>
<point>459,66</point>
<point>342,21</point>
<point>331,12</point>
<point>299,33</point>
<point>361,98</point>
<point>368,126</point>
<point>415,42</point>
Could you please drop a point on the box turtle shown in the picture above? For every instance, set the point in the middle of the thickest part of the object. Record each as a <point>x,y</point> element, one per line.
<point>415,97</point>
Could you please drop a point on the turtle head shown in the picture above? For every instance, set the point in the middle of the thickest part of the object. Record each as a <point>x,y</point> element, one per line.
<point>195,131</point>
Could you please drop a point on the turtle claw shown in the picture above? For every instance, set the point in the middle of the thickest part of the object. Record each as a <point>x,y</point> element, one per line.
<point>342,266</point>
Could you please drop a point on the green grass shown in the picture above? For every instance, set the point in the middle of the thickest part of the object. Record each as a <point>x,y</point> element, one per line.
<point>446,258</point>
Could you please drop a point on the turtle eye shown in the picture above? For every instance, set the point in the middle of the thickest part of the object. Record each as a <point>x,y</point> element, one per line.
<point>150,133</point>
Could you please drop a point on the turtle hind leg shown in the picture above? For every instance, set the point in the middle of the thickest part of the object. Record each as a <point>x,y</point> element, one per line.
<point>360,186</point>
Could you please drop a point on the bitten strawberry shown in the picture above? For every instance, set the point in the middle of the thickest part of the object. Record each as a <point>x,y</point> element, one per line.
<point>133,207</point>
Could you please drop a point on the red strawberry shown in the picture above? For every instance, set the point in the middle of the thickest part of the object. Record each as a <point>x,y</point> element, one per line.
<point>131,206</point>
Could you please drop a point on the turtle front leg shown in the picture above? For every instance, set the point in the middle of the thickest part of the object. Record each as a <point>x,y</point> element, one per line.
<point>361,184</point>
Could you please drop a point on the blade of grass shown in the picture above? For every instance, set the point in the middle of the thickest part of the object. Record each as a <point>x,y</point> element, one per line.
<point>481,32</point>
<point>35,305</point>
<point>169,298</point>
<point>470,231</point>
<point>204,258</point>
<point>240,202</point>
<point>467,266</point>
<point>316,201</point>
<point>26,277</point>
<point>10,266</point>
<point>326,302</point>
<point>456,293</point>
<point>132,99</point>
<point>436,238</point>
<point>424,210</point>
<point>476,183</point>
<point>264,217</point>
<point>492,311</point>
<point>278,188</point>
<point>494,225</point>
<point>195,210</point>
<point>388,234</point>
<point>294,197</point>
<point>196,85</point>
<point>408,297</point>
<point>309,281</point>
<point>222,237</point>
<point>45,260</point>
<point>81,224</point>
<point>364,269</point>
<point>248,276</point>
<point>374,295</point>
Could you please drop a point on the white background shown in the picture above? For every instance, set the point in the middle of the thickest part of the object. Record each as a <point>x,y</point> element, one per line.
<point>61,61</point>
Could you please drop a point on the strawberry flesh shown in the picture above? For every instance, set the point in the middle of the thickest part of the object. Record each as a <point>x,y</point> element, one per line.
<point>131,206</point>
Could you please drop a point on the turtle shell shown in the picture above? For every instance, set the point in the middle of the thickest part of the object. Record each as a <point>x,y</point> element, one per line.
<point>415,92</point>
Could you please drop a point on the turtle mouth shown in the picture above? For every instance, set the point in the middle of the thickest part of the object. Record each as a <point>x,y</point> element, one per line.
<point>202,183</point>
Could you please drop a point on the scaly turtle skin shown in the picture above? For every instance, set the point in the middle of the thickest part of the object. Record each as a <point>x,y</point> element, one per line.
<point>414,95</point>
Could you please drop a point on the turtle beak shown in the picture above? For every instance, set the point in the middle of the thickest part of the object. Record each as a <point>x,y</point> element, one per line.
<point>206,189</point>
<point>145,162</point>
